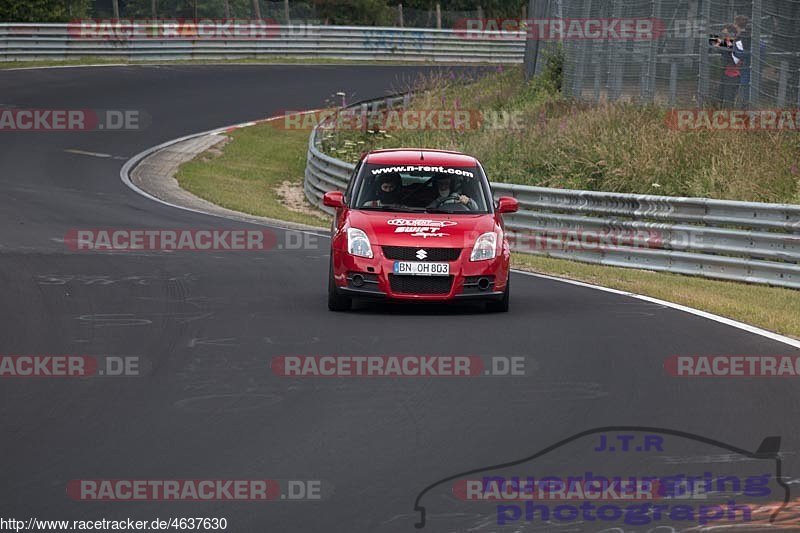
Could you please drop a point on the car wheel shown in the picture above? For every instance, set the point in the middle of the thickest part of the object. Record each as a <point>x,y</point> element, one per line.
<point>336,301</point>
<point>501,306</point>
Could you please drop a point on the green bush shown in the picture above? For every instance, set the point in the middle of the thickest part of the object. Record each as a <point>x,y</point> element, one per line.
<point>43,10</point>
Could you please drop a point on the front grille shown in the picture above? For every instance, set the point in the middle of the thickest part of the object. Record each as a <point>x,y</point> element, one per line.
<point>409,253</point>
<point>420,284</point>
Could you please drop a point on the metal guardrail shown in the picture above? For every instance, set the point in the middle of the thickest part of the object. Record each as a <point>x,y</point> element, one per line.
<point>65,41</point>
<point>740,241</point>
<point>325,173</point>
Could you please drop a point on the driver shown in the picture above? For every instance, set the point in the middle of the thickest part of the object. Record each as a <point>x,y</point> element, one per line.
<point>387,190</point>
<point>443,185</point>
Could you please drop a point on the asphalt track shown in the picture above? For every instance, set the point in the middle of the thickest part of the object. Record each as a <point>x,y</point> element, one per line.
<point>209,323</point>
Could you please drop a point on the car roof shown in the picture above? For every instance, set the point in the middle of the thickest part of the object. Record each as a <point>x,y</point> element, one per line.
<point>411,156</point>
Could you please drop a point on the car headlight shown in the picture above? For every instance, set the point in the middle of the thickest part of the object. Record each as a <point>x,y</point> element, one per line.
<point>358,243</point>
<point>485,247</point>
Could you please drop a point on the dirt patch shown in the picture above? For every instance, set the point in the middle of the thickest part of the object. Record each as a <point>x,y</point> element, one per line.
<point>216,150</point>
<point>294,199</point>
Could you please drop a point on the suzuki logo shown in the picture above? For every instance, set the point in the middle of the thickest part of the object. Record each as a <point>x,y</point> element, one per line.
<point>422,254</point>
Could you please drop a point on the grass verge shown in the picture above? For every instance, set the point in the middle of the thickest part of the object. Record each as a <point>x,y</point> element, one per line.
<point>259,172</point>
<point>528,133</point>
<point>771,308</point>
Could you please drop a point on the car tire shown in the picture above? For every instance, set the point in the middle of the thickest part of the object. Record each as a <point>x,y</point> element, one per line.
<point>501,306</point>
<point>336,301</point>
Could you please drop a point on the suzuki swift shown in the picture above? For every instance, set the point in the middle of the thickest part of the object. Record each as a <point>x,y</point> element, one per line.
<point>418,225</point>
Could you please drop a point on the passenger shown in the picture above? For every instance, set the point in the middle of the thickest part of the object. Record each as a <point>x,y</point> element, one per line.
<point>388,190</point>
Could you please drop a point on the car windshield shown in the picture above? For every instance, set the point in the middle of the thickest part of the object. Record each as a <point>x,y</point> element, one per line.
<point>421,188</point>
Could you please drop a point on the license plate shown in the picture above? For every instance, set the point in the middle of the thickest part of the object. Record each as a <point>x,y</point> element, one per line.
<point>412,268</point>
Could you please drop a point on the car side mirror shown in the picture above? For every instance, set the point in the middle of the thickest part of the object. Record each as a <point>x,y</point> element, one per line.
<point>507,204</point>
<point>333,199</point>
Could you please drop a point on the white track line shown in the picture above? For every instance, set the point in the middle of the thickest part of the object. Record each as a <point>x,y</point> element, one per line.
<point>131,163</point>
<point>66,66</point>
<point>92,154</point>
<point>716,318</point>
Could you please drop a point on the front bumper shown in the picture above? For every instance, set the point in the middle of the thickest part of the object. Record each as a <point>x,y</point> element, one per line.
<point>374,279</point>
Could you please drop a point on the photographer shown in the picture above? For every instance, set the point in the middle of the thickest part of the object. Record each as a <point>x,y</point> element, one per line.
<point>727,44</point>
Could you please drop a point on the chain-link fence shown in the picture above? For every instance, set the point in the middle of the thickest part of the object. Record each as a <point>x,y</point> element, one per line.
<point>754,63</point>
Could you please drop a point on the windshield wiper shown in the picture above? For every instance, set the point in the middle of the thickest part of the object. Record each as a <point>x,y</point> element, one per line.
<point>399,209</point>
<point>454,212</point>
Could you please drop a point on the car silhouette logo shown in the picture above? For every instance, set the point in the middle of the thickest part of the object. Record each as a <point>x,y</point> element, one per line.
<point>765,462</point>
<point>421,254</point>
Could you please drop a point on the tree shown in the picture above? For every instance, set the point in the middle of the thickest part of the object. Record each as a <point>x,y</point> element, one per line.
<point>356,12</point>
<point>43,10</point>
<point>491,8</point>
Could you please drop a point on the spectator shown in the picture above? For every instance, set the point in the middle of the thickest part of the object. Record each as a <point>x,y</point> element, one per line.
<point>730,75</point>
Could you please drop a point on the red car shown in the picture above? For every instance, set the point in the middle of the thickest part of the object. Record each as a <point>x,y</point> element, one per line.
<point>418,225</point>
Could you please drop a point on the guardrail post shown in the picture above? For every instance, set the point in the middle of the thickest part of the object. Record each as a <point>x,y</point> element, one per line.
<point>531,43</point>
<point>673,82</point>
<point>615,59</point>
<point>702,74</point>
<point>783,81</point>
<point>652,58</point>
<point>755,55</point>
<point>582,46</point>
<point>597,81</point>
<point>400,15</point>
<point>643,82</point>
<point>692,12</point>
<point>438,16</point>
<point>364,112</point>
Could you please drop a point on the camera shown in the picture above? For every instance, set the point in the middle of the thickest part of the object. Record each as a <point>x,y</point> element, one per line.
<point>718,40</point>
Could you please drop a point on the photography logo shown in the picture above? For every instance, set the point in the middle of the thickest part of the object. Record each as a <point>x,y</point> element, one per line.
<point>614,478</point>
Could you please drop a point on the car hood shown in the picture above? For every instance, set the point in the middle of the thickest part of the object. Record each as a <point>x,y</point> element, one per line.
<point>423,230</point>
